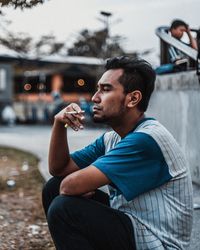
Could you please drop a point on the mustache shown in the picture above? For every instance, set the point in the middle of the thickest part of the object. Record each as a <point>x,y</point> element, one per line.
<point>97,107</point>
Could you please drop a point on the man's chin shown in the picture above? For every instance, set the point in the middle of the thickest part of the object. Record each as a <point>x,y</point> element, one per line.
<point>97,120</point>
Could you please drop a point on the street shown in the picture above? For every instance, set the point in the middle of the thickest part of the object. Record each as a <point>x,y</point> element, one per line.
<point>35,139</point>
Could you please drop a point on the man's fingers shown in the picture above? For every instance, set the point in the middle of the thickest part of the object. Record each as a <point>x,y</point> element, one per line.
<point>71,116</point>
<point>75,112</point>
<point>73,120</point>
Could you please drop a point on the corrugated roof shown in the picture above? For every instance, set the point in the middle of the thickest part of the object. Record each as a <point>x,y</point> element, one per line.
<point>53,58</point>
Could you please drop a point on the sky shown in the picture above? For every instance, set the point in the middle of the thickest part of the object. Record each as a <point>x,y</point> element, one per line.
<point>136,20</point>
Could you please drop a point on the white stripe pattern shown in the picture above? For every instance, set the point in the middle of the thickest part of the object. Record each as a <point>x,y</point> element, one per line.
<point>162,217</point>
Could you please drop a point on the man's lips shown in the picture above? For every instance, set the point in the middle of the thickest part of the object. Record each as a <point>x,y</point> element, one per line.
<point>96,109</point>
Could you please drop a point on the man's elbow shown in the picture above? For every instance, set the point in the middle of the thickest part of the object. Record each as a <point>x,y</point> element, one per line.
<point>69,186</point>
<point>62,168</point>
<point>65,190</point>
<point>55,171</point>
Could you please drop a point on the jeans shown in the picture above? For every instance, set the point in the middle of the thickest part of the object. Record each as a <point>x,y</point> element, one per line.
<point>78,223</point>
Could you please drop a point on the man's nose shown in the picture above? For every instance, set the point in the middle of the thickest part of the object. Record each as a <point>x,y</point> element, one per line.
<point>96,98</point>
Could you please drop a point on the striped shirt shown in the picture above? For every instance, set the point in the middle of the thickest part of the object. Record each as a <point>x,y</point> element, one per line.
<point>175,54</point>
<point>150,182</point>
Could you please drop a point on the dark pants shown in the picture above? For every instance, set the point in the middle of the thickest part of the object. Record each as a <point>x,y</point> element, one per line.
<point>78,223</point>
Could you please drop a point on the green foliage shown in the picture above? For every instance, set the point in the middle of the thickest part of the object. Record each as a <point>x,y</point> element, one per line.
<point>20,42</point>
<point>96,44</point>
<point>47,45</point>
<point>24,44</point>
<point>20,3</point>
<point>89,43</point>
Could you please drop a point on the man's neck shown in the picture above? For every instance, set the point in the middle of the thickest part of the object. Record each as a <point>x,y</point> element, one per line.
<point>127,124</point>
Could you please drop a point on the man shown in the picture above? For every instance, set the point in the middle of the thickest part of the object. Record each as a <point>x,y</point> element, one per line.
<point>178,61</point>
<point>178,29</point>
<point>150,191</point>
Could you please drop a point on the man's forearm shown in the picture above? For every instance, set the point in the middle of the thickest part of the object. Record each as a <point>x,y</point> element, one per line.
<point>193,42</point>
<point>58,150</point>
<point>60,162</point>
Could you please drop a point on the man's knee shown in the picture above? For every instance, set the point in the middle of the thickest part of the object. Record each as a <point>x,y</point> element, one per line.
<point>52,185</point>
<point>50,191</point>
<point>62,208</point>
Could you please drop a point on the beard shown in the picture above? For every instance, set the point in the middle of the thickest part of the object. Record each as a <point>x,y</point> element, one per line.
<point>100,119</point>
<point>111,120</point>
<point>112,116</point>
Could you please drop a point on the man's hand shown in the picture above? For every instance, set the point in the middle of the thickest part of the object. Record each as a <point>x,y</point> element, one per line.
<point>188,31</point>
<point>193,42</point>
<point>60,163</point>
<point>71,116</point>
<point>89,194</point>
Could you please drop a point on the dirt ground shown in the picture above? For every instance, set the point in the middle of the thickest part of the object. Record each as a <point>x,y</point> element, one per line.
<point>22,221</point>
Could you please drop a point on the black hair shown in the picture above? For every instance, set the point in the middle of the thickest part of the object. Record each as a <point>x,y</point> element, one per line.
<point>177,22</point>
<point>138,75</point>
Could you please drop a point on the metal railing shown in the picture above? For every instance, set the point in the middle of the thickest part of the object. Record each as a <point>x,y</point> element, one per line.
<point>198,55</point>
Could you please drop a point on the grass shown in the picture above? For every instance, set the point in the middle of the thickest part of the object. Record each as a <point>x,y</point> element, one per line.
<point>22,220</point>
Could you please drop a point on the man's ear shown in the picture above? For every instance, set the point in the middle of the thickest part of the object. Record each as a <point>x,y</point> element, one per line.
<point>134,98</point>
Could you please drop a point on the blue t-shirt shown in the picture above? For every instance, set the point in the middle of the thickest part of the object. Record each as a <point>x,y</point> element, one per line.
<point>150,183</point>
<point>135,165</point>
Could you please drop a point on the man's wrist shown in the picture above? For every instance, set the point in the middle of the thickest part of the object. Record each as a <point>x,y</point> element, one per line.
<point>58,123</point>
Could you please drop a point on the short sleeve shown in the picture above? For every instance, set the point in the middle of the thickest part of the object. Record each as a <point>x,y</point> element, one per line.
<point>86,156</point>
<point>136,165</point>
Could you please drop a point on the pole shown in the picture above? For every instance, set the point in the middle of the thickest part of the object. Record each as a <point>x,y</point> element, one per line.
<point>198,55</point>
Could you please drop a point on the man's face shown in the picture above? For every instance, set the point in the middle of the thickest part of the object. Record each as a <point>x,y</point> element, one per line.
<point>178,32</point>
<point>109,100</point>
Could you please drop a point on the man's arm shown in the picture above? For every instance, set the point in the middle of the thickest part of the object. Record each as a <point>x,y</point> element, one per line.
<point>83,181</point>
<point>60,163</point>
<point>193,42</point>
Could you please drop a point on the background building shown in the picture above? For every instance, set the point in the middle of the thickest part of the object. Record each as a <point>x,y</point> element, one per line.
<point>37,88</point>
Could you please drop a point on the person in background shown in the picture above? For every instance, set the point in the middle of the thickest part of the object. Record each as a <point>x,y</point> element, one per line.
<point>178,61</point>
<point>8,115</point>
<point>56,93</point>
<point>149,204</point>
<point>177,30</point>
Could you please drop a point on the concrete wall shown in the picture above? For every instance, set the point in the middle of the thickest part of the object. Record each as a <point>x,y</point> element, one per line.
<point>176,104</point>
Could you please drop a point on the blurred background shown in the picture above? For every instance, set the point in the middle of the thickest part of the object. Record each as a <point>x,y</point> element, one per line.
<point>52,52</point>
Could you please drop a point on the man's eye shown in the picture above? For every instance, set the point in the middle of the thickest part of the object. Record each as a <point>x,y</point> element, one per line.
<point>103,88</point>
<point>106,89</point>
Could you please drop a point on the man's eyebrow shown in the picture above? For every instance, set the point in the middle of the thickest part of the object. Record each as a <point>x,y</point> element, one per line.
<point>104,85</point>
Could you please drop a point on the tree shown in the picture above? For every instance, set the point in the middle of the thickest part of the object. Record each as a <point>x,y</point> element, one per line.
<point>24,44</point>
<point>89,43</point>
<point>48,45</point>
<point>96,44</point>
<point>99,43</point>
<point>21,43</point>
<point>21,3</point>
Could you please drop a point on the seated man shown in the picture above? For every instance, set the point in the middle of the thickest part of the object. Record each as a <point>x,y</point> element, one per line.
<point>150,191</point>
<point>177,30</point>
<point>178,61</point>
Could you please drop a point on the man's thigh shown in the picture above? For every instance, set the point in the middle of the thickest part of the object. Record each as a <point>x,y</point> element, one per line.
<point>104,227</point>
<point>51,190</point>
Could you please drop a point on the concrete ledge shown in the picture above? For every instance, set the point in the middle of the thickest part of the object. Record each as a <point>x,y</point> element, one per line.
<point>176,104</point>
<point>178,81</point>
